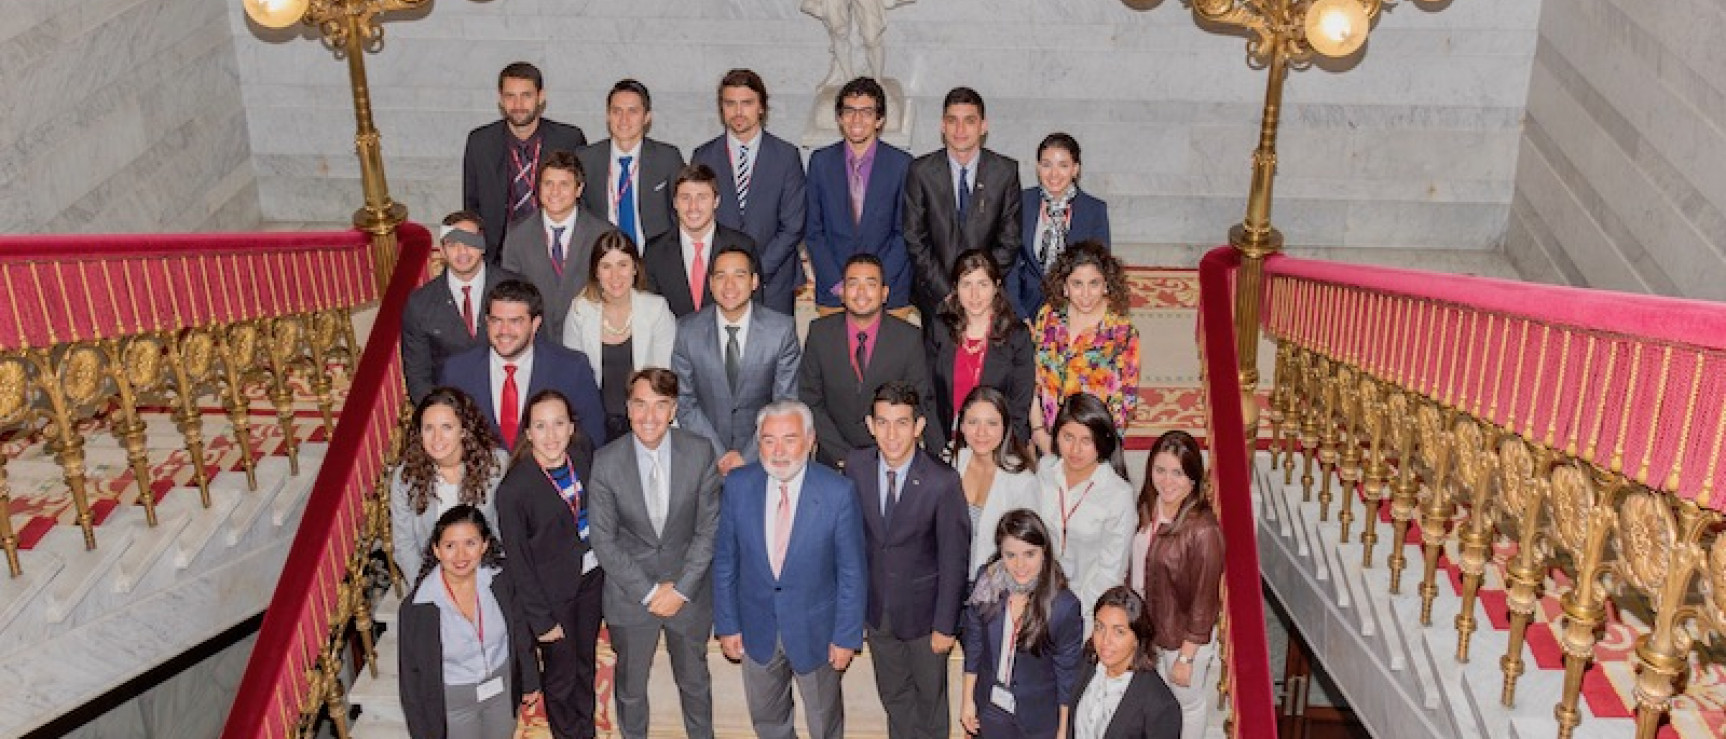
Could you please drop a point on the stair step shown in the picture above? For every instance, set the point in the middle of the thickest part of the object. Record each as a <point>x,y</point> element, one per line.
<point>16,593</point>
<point>151,542</point>
<point>84,568</point>
<point>226,492</point>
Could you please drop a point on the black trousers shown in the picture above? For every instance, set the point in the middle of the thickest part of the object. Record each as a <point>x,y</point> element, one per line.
<point>571,662</point>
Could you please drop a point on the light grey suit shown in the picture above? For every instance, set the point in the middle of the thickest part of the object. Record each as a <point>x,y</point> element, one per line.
<point>636,559</point>
<point>767,371</point>
<point>525,252</point>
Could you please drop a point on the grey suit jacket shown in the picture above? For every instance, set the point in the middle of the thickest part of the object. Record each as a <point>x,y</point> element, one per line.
<point>525,252</point>
<point>658,169</point>
<point>634,557</point>
<point>767,372</point>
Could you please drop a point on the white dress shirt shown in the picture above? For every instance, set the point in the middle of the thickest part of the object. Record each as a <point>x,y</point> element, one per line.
<point>1098,705</point>
<point>732,143</point>
<point>689,252</point>
<point>568,226</point>
<point>1093,536</point>
<point>742,325</point>
<point>478,285</point>
<point>523,377</point>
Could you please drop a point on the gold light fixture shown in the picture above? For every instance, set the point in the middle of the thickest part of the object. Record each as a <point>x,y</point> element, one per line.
<point>350,28</point>
<point>275,14</point>
<point>1283,32</point>
<point>1336,28</point>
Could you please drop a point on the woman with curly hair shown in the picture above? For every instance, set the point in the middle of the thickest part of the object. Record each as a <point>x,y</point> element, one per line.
<point>983,345</point>
<point>1086,342</point>
<point>1024,634</point>
<point>450,457</point>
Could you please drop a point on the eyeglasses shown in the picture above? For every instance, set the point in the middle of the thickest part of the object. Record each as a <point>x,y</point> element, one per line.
<point>847,111</point>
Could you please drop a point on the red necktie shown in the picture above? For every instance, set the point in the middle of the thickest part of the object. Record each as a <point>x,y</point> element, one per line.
<point>509,415</point>
<point>697,275</point>
<point>467,308</point>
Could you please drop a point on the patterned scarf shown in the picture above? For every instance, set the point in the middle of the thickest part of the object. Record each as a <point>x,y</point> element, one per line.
<point>1055,208</point>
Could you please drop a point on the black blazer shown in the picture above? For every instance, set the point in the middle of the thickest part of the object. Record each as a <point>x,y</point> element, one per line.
<point>1041,683</point>
<point>663,262</point>
<point>432,329</point>
<point>485,174</point>
<point>918,560</point>
<point>555,367</point>
<point>933,236</point>
<point>1010,366</point>
<point>539,534</point>
<point>420,658</point>
<point>830,388</point>
<point>658,168</point>
<point>1148,710</point>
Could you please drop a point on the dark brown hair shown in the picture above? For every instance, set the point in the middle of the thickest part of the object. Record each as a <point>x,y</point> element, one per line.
<point>743,78</point>
<point>468,514</point>
<point>1123,597</point>
<point>1095,254</point>
<point>608,242</point>
<point>479,466</point>
<point>661,381</point>
<point>524,447</point>
<point>1186,451</point>
<point>1001,312</point>
<point>565,160</point>
<point>1026,526</point>
<point>696,172</point>
<point>1013,455</point>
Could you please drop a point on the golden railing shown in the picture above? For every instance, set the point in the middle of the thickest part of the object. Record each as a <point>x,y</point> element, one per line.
<point>104,329</point>
<point>1585,427</point>
<point>294,680</point>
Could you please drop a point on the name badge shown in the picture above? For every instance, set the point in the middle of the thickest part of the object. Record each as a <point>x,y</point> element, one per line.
<point>490,689</point>
<point>1003,699</point>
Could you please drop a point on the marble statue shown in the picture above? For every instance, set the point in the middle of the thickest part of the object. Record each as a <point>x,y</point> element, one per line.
<point>870,19</point>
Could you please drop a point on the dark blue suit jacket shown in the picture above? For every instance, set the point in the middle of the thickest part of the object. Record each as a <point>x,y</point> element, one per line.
<point>1090,222</point>
<point>831,235</point>
<point>819,595</point>
<point>554,366</point>
<point>1042,683</point>
<point>775,216</point>
<point>918,560</point>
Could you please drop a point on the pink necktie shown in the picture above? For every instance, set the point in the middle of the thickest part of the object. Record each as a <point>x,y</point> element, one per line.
<point>697,276</point>
<point>781,529</point>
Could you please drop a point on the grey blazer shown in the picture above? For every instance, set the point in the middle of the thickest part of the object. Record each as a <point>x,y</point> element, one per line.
<point>659,165</point>
<point>410,532</point>
<point>634,557</point>
<point>526,253</point>
<point>767,372</point>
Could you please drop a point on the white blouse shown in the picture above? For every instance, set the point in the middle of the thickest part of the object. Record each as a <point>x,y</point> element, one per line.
<point>1098,705</point>
<point>1091,528</point>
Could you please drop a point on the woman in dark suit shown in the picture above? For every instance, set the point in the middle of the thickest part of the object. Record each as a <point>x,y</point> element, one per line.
<point>1023,637</point>
<point>1054,214</point>
<point>983,345</point>
<point>1120,695</point>
<point>542,513</point>
<point>465,686</point>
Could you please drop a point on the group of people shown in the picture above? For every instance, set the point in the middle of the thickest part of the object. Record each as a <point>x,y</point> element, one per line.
<point>636,436</point>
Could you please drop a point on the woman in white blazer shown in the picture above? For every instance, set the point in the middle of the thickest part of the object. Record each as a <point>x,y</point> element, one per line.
<point>619,325</point>
<point>994,466</point>
<point>1091,508</point>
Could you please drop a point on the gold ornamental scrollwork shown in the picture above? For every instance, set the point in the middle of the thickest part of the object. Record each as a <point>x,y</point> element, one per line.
<point>1573,499</point>
<point>1646,532</point>
<point>80,374</point>
<point>14,388</point>
<point>198,354</point>
<point>141,361</point>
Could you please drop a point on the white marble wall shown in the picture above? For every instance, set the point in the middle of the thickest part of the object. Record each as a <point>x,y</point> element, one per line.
<point>1414,146</point>
<point>1622,178</point>
<point>121,115</point>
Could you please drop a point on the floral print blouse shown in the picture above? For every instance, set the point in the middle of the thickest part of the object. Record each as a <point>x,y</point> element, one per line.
<point>1103,362</point>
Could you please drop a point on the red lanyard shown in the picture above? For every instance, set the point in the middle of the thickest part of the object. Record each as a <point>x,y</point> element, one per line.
<point>532,166</point>
<point>1067,514</point>
<point>478,610</point>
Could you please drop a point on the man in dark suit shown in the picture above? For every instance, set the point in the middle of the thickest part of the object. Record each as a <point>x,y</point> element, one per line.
<point>442,317</point>
<point>789,580</point>
<point>848,355</point>
<point>677,263</point>
<point>553,246</point>
<point>732,358</point>
<point>632,174</point>
<point>654,510</point>
<point>500,168</point>
<point>761,187</point>
<point>855,188</point>
<point>502,376</point>
<point>960,197</point>
<point>918,532</point>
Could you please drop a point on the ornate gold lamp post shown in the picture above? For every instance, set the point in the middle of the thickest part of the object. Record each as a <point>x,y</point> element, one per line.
<point>1284,32</point>
<point>350,27</point>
